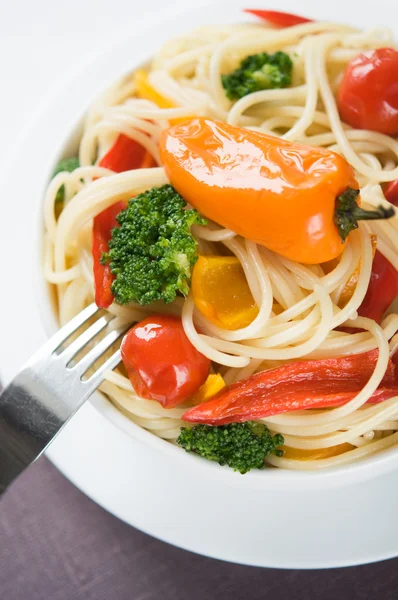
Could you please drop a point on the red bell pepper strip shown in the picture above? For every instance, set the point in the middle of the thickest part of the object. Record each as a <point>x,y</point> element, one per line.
<point>103,278</point>
<point>296,386</point>
<point>391,192</point>
<point>382,289</point>
<point>281,19</point>
<point>161,362</point>
<point>126,155</point>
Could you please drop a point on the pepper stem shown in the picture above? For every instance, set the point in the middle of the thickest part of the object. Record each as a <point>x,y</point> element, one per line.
<point>348,213</point>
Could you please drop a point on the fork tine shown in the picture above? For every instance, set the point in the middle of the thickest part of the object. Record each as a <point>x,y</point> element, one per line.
<point>62,334</point>
<point>95,353</point>
<point>78,344</point>
<point>77,322</point>
<point>94,381</point>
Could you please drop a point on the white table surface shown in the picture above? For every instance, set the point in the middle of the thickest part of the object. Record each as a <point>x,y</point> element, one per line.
<point>41,40</point>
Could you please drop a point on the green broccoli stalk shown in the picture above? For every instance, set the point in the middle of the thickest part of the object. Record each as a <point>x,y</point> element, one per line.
<point>69,165</point>
<point>258,72</point>
<point>242,446</point>
<point>153,251</point>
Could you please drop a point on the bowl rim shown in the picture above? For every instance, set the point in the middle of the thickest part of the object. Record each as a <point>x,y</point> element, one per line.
<point>360,470</point>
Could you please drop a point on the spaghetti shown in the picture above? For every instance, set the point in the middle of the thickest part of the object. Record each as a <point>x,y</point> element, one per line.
<point>187,72</point>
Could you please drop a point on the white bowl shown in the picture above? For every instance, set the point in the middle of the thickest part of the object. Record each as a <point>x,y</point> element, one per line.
<point>163,468</point>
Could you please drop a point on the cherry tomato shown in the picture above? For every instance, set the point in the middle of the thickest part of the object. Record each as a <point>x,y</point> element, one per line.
<point>161,362</point>
<point>368,95</point>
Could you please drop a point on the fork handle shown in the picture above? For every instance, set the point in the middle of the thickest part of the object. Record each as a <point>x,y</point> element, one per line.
<point>27,426</point>
<point>50,388</point>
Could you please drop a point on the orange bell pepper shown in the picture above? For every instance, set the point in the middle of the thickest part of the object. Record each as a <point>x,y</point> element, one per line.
<point>296,200</point>
<point>221,292</point>
<point>147,91</point>
<point>213,384</point>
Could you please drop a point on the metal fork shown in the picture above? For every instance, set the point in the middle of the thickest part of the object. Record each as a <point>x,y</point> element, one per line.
<point>50,388</point>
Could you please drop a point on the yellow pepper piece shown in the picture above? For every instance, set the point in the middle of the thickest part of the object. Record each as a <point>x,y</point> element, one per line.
<point>298,454</point>
<point>213,384</point>
<point>351,284</point>
<point>147,91</point>
<point>221,292</point>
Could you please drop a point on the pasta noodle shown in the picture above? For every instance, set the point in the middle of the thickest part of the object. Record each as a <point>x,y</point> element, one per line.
<point>188,71</point>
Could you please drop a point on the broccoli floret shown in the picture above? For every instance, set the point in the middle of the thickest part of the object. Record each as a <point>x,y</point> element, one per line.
<point>153,251</point>
<point>69,165</point>
<point>242,446</point>
<point>258,72</point>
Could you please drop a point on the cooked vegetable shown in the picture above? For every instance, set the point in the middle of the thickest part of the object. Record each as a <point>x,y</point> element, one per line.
<point>391,192</point>
<point>221,292</point>
<point>145,90</point>
<point>258,72</point>
<point>103,278</point>
<point>68,165</point>
<point>281,19</point>
<point>161,362</point>
<point>213,384</point>
<point>368,95</point>
<point>153,251</point>
<point>347,213</point>
<point>351,284</point>
<point>382,289</point>
<point>296,386</point>
<point>126,155</point>
<point>318,454</point>
<point>241,446</point>
<point>297,200</point>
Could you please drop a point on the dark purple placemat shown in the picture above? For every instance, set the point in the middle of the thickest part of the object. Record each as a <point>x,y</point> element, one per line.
<point>55,544</point>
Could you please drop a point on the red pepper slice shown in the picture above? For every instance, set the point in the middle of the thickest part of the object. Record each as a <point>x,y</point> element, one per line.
<point>382,289</point>
<point>276,17</point>
<point>391,192</point>
<point>161,362</point>
<point>126,155</point>
<point>295,386</point>
<point>103,278</point>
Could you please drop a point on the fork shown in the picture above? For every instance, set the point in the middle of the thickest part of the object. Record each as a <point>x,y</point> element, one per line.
<point>51,387</point>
